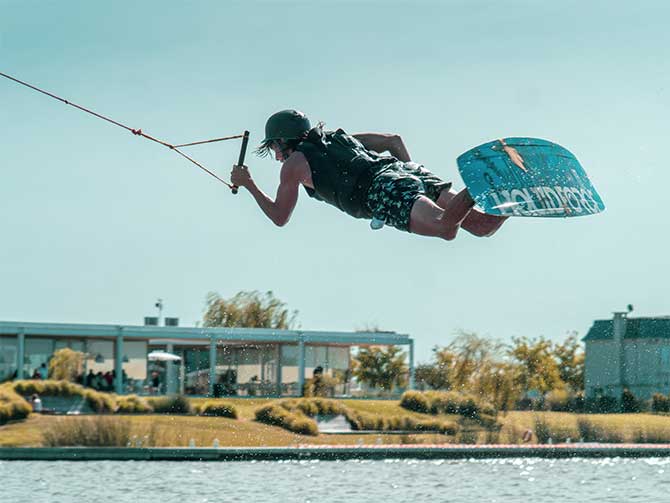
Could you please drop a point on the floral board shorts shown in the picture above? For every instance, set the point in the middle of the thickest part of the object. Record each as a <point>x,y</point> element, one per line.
<point>393,192</point>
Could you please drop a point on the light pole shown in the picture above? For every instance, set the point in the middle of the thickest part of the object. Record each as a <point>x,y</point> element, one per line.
<point>159,305</point>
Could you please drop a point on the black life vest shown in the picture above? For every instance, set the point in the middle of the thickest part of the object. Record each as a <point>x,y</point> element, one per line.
<point>342,169</point>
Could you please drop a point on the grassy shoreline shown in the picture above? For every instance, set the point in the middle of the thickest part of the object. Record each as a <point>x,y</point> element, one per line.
<point>161,430</point>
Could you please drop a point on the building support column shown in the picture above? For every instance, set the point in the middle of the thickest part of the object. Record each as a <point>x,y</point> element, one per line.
<point>212,365</point>
<point>301,365</point>
<point>118,363</point>
<point>411,364</point>
<point>619,334</point>
<point>278,377</point>
<point>170,381</point>
<point>20,354</point>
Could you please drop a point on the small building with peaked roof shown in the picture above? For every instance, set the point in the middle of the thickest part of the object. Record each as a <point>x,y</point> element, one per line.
<point>627,353</point>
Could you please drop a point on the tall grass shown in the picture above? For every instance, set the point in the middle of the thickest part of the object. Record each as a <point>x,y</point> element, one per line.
<point>597,431</point>
<point>99,402</point>
<point>12,406</point>
<point>295,421</point>
<point>295,415</point>
<point>218,408</point>
<point>98,431</point>
<point>174,404</point>
<point>447,402</point>
<point>132,404</point>
<point>554,432</point>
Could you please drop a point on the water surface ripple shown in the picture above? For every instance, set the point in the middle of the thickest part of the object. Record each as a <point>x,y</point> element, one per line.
<point>505,480</point>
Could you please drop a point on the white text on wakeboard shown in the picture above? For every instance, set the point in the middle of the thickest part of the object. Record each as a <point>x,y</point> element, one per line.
<point>557,200</point>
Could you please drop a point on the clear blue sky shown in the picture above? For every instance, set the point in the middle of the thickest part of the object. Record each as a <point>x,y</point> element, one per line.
<point>96,223</point>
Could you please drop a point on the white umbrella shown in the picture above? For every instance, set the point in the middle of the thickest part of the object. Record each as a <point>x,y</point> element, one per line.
<point>162,356</point>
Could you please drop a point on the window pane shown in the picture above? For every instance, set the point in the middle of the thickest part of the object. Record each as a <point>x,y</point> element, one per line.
<point>38,352</point>
<point>8,352</point>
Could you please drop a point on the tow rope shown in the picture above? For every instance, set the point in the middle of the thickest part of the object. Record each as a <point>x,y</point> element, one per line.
<point>139,132</point>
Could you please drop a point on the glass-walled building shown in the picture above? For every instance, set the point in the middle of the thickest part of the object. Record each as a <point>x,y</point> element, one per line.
<point>212,361</point>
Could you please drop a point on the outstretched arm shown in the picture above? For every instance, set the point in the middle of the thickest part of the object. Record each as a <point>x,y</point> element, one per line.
<point>279,210</point>
<point>380,142</point>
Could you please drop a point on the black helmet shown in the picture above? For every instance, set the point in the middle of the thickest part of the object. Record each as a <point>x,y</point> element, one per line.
<point>285,126</point>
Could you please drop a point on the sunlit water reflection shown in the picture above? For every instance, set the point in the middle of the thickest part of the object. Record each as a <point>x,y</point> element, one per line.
<point>505,480</point>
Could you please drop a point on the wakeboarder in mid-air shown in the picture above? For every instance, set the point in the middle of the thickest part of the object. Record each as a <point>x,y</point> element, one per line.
<point>352,173</point>
<point>517,176</point>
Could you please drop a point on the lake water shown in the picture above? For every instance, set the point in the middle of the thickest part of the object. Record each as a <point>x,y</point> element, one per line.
<point>506,480</point>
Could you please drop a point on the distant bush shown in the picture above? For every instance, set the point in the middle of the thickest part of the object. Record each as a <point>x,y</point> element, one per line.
<point>378,422</point>
<point>65,364</point>
<point>577,402</point>
<point>286,413</point>
<point>87,432</point>
<point>594,431</point>
<point>603,404</point>
<point>219,409</point>
<point>447,402</point>
<point>132,404</point>
<point>99,402</point>
<point>416,401</point>
<point>660,403</point>
<point>557,400</point>
<point>304,426</point>
<point>12,406</point>
<point>174,404</point>
<point>629,403</point>
<point>547,431</point>
<point>295,421</point>
<point>363,421</point>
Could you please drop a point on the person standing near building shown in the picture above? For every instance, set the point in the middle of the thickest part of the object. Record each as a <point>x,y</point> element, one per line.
<point>43,371</point>
<point>36,403</point>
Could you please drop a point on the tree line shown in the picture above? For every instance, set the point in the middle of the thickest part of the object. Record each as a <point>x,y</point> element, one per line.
<point>518,374</point>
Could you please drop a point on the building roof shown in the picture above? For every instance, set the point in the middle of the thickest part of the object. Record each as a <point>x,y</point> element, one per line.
<point>201,333</point>
<point>636,328</point>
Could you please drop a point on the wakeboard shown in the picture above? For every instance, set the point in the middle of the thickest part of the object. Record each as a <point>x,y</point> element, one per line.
<point>528,177</point>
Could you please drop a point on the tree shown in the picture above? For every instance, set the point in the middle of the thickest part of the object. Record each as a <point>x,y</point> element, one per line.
<point>249,309</point>
<point>497,382</point>
<point>66,364</point>
<point>537,369</point>
<point>467,355</point>
<point>570,359</point>
<point>381,368</point>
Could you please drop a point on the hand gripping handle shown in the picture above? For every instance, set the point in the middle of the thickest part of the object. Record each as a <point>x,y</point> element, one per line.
<point>243,153</point>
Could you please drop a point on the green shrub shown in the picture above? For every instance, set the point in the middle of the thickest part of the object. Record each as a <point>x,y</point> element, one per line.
<point>603,404</point>
<point>295,421</point>
<point>591,431</point>
<point>12,406</point>
<point>292,413</point>
<point>303,426</point>
<point>660,403</point>
<point>362,421</point>
<point>557,400</point>
<point>65,364</point>
<point>468,436</point>
<point>99,402</point>
<point>629,402</point>
<point>132,404</point>
<point>272,414</point>
<point>173,404</point>
<point>447,402</point>
<point>313,406</point>
<point>219,409</point>
<point>99,431</point>
<point>415,401</point>
<point>553,432</point>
